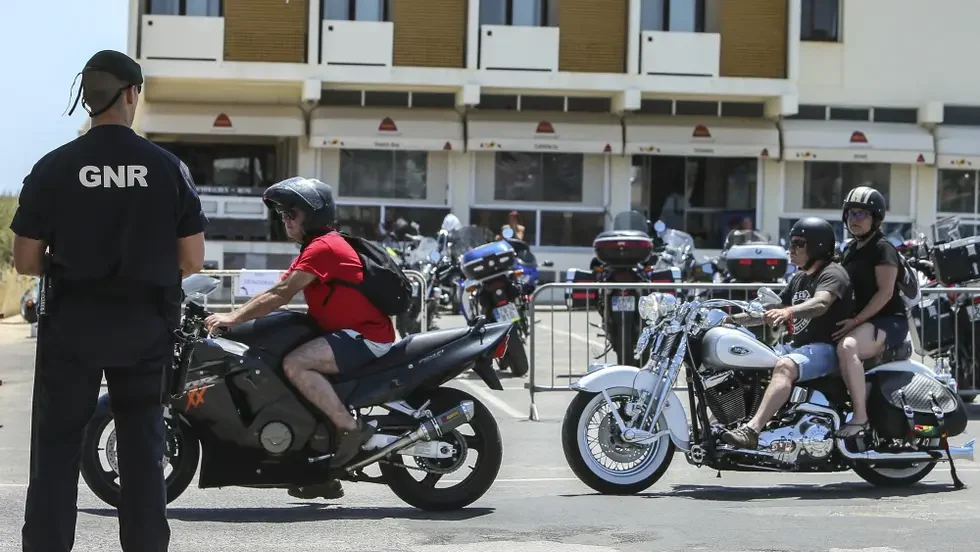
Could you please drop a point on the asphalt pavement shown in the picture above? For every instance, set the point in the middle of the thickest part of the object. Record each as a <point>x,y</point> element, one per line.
<point>536,504</point>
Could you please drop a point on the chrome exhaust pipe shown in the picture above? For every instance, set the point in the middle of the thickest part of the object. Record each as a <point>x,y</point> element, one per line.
<point>957,453</point>
<point>432,428</point>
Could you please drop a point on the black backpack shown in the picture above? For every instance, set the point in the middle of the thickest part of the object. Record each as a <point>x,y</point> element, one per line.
<point>384,285</point>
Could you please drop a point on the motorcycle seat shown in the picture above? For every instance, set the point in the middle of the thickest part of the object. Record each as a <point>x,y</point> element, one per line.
<point>408,349</point>
<point>895,353</point>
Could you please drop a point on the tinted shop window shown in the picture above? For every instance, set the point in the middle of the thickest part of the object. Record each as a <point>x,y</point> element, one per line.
<point>359,221</point>
<point>383,174</point>
<point>538,177</point>
<point>569,228</point>
<point>826,184</point>
<point>820,20</point>
<point>495,219</point>
<point>227,168</point>
<point>429,219</point>
<point>957,191</point>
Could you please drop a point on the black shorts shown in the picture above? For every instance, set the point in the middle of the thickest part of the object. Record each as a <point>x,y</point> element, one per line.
<point>895,327</point>
<point>351,351</point>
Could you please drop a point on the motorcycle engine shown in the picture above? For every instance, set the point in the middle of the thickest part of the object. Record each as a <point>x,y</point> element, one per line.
<point>732,397</point>
<point>809,439</point>
<point>276,437</point>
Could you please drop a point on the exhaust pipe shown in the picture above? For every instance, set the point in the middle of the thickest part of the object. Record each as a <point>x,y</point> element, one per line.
<point>430,429</point>
<point>957,453</point>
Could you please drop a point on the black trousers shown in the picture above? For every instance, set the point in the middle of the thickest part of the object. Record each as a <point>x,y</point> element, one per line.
<point>131,345</point>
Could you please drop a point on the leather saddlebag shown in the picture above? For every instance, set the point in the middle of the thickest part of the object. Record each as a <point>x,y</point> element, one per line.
<point>906,405</point>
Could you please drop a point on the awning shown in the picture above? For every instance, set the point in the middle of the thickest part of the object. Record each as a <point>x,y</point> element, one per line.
<point>386,129</point>
<point>957,147</point>
<point>544,132</point>
<point>855,141</point>
<point>217,119</point>
<point>702,137</point>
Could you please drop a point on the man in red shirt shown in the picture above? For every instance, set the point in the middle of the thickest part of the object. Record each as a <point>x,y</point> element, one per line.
<point>355,331</point>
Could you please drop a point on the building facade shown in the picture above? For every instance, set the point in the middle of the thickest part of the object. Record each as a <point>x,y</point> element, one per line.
<point>708,114</point>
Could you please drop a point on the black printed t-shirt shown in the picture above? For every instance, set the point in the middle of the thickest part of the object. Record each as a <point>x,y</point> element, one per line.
<point>802,287</point>
<point>860,263</point>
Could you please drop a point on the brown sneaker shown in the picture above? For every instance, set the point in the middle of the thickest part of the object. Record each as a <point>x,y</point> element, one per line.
<point>744,437</point>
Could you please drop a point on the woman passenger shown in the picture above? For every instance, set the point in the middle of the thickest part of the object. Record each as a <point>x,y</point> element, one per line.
<point>873,265</point>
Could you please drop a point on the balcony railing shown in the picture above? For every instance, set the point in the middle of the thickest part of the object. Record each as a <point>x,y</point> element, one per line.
<point>519,47</point>
<point>182,37</point>
<point>357,42</point>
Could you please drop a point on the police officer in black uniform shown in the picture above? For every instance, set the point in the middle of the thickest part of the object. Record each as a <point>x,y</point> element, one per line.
<point>111,222</point>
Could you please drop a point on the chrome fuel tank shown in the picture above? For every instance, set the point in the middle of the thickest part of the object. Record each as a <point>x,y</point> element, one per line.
<point>731,348</point>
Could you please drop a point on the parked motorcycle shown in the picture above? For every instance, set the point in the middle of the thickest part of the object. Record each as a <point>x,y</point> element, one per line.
<point>28,302</point>
<point>231,399</point>
<point>625,254</point>
<point>423,257</point>
<point>491,288</point>
<point>639,422</point>
<point>749,256</point>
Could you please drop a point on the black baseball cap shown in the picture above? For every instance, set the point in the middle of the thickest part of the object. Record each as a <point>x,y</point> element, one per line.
<point>116,64</point>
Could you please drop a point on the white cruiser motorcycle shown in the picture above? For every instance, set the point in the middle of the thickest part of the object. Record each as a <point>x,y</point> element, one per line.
<point>620,432</point>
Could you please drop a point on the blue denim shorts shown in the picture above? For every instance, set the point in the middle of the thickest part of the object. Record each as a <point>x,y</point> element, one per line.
<point>895,327</point>
<point>815,360</point>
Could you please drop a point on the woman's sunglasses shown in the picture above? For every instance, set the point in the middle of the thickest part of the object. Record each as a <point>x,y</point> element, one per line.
<point>857,214</point>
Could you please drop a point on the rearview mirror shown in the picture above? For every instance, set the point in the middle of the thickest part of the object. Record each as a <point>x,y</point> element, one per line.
<point>769,297</point>
<point>507,232</point>
<point>659,226</point>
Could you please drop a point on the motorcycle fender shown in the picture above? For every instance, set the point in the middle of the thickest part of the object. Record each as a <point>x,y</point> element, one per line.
<point>633,378</point>
<point>904,366</point>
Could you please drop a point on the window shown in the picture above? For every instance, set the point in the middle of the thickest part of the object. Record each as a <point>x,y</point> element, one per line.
<point>672,15</point>
<point>227,168</point>
<point>210,8</point>
<point>357,10</point>
<point>825,184</point>
<point>539,177</point>
<point>903,228</point>
<point>383,174</point>
<point>525,13</point>
<point>957,192</point>
<point>820,21</point>
<point>705,197</point>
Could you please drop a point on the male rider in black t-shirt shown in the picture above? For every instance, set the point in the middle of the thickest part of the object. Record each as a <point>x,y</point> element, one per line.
<point>815,300</point>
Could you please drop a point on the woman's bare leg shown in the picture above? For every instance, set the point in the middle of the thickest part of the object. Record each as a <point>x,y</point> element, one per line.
<point>857,346</point>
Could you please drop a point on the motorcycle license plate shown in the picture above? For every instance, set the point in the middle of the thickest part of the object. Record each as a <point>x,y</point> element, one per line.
<point>623,303</point>
<point>506,312</point>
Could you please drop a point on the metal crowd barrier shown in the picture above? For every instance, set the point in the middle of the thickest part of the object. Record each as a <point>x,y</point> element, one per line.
<point>227,293</point>
<point>578,321</point>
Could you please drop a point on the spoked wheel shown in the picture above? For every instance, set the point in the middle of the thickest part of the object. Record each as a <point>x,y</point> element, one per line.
<point>454,482</point>
<point>596,452</point>
<point>101,470</point>
<point>903,476</point>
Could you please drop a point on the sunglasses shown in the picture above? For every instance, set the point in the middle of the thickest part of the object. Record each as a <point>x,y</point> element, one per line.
<point>857,214</point>
<point>287,214</point>
<point>797,244</point>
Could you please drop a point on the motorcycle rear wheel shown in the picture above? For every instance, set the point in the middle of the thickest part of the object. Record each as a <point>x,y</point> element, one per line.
<point>516,356</point>
<point>893,477</point>
<point>475,482</point>
<point>105,483</point>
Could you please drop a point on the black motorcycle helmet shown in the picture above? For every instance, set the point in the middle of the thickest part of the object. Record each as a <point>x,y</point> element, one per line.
<point>869,199</point>
<point>820,239</point>
<point>309,195</point>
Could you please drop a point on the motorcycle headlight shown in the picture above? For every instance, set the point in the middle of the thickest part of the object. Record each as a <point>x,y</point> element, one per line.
<point>656,305</point>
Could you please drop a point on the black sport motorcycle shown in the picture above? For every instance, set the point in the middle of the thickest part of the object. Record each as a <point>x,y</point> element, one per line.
<point>231,400</point>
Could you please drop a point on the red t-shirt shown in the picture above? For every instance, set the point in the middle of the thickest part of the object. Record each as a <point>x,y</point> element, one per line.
<point>330,257</point>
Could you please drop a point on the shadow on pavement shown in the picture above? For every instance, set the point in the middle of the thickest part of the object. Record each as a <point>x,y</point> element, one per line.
<point>831,491</point>
<point>973,411</point>
<point>304,513</point>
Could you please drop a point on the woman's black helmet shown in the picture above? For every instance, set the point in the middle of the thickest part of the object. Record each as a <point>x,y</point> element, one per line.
<point>869,199</point>
<point>820,238</point>
<point>309,195</point>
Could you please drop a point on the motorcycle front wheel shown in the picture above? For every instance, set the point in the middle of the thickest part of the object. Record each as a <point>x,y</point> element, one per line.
<point>180,460</point>
<point>593,448</point>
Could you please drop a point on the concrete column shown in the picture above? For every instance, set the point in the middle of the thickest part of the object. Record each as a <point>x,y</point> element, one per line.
<point>132,37</point>
<point>461,184</point>
<point>306,160</point>
<point>314,25</point>
<point>633,38</point>
<point>794,16</point>
<point>473,35</point>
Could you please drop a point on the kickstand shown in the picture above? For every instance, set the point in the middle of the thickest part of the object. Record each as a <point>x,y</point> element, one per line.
<point>957,484</point>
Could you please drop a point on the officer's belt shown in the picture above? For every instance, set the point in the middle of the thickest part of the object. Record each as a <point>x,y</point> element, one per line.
<point>110,289</point>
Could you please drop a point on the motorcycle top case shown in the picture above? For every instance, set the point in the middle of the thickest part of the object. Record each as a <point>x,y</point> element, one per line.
<point>623,247</point>
<point>756,262</point>
<point>488,260</point>
<point>957,261</point>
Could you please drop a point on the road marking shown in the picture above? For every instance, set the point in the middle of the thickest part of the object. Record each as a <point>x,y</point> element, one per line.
<point>490,398</point>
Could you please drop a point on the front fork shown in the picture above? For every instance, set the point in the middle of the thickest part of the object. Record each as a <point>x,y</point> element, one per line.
<point>653,400</point>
